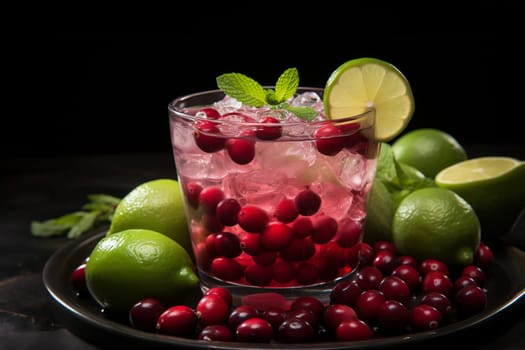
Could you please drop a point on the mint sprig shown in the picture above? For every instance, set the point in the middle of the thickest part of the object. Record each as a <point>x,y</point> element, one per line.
<point>250,92</point>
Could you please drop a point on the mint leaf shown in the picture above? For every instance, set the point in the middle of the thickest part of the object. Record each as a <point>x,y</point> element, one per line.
<point>307,113</point>
<point>286,85</point>
<point>85,223</point>
<point>56,226</point>
<point>270,97</point>
<point>103,199</point>
<point>242,88</point>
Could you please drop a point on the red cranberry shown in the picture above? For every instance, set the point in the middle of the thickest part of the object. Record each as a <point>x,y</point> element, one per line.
<point>328,139</point>
<point>475,273</point>
<point>408,260</point>
<point>144,314</point>
<point>224,293</point>
<point>285,211</point>
<point>483,257</point>
<point>226,268</point>
<point>309,303</point>
<point>429,265</point>
<point>325,229</point>
<point>274,316</point>
<point>295,330</point>
<point>424,317</point>
<point>265,258</point>
<point>470,300</point>
<point>298,250</point>
<point>385,245</point>
<point>394,288</point>
<point>211,113</point>
<point>258,275</point>
<point>352,330</point>
<point>178,320</point>
<point>368,304</point>
<point>240,314</point>
<point>392,315</point>
<point>307,202</point>
<point>216,332</point>
<point>192,191</point>
<point>212,309</point>
<point>224,244</point>
<point>302,227</point>
<point>209,198</point>
<point>276,236</point>
<point>78,280</point>
<point>334,314</point>
<point>269,132</point>
<point>212,223</point>
<point>240,150</point>
<point>283,271</point>
<point>252,219</point>
<point>204,136</point>
<point>348,233</point>
<point>463,281</point>
<point>306,273</point>
<point>369,277</point>
<point>440,301</point>
<point>345,292</point>
<point>306,315</point>
<point>366,254</point>
<point>250,244</point>
<point>409,274</point>
<point>254,330</point>
<point>385,261</point>
<point>227,210</point>
<point>437,281</point>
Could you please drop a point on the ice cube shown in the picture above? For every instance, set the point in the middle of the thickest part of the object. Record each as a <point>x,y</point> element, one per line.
<point>351,169</point>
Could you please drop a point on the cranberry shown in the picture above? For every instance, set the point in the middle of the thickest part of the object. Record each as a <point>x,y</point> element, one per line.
<point>325,229</point>
<point>226,268</point>
<point>352,330</point>
<point>285,211</point>
<point>385,261</point>
<point>276,236</point>
<point>424,317</point>
<point>306,273</point>
<point>274,316</point>
<point>475,273</point>
<point>258,275</point>
<point>209,198</point>
<point>309,303</point>
<point>298,250</point>
<point>204,136</point>
<point>212,309</point>
<point>307,202</point>
<point>78,280</point>
<point>224,293</point>
<point>302,227</point>
<point>470,300</point>
<point>265,258</point>
<point>216,332</point>
<point>295,330</point>
<point>240,314</point>
<point>463,281</point>
<point>408,260</point>
<point>192,191</point>
<point>409,274</point>
<point>483,256</point>
<point>369,277</point>
<point>348,233</point>
<point>385,245</point>
<point>334,314</point>
<point>240,150</point>
<point>345,292</point>
<point>212,223</point>
<point>368,303</point>
<point>178,320</point>
<point>252,219</point>
<point>429,265</point>
<point>438,300</point>
<point>392,315</point>
<point>366,254</point>
<point>254,330</point>
<point>306,315</point>
<point>227,210</point>
<point>394,288</point>
<point>269,132</point>
<point>144,314</point>
<point>211,113</point>
<point>283,271</point>
<point>224,244</point>
<point>328,139</point>
<point>437,281</point>
<point>250,244</point>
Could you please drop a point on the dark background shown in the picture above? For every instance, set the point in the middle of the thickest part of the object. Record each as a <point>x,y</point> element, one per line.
<point>107,92</point>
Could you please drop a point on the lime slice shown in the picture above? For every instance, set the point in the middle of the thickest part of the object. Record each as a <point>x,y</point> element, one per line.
<point>363,84</point>
<point>493,186</point>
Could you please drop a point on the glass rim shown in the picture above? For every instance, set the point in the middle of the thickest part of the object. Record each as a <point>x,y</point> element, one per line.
<point>179,111</point>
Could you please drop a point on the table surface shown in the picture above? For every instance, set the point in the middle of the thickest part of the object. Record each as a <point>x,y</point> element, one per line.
<point>34,188</point>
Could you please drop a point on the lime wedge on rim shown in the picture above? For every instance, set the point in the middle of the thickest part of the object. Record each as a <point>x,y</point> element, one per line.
<point>493,186</point>
<point>362,84</point>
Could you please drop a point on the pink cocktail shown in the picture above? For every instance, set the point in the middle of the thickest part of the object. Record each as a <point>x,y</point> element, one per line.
<point>273,202</point>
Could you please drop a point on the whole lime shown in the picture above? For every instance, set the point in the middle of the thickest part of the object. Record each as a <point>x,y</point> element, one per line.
<point>154,205</point>
<point>132,264</point>
<point>428,150</point>
<point>436,223</point>
<point>493,186</point>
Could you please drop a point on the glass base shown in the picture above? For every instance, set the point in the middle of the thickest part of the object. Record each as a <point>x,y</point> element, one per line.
<point>265,297</point>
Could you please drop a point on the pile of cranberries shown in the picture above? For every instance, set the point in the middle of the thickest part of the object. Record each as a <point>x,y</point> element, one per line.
<point>391,295</point>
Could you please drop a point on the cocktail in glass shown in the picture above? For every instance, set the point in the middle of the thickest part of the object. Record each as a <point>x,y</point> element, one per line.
<point>274,203</point>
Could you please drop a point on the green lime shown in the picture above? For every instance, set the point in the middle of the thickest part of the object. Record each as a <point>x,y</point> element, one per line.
<point>155,205</point>
<point>436,223</point>
<point>493,186</point>
<point>362,84</point>
<point>132,264</point>
<point>428,150</point>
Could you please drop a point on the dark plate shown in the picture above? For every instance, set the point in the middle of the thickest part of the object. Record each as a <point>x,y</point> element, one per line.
<point>505,289</point>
